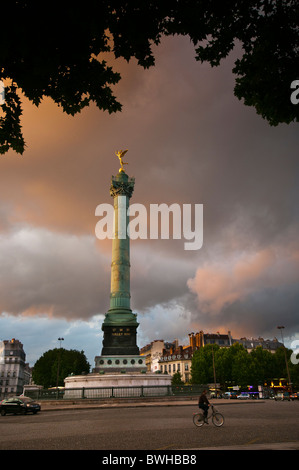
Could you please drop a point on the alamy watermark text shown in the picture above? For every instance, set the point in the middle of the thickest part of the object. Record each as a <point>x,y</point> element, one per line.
<point>133,222</point>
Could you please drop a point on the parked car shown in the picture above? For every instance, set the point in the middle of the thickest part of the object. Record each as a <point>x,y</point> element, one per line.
<point>294,396</point>
<point>244,396</point>
<point>19,405</point>
<point>282,396</point>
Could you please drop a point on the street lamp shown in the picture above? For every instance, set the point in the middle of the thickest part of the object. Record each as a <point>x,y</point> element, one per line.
<point>285,357</point>
<point>281,328</point>
<point>58,365</point>
<point>214,370</point>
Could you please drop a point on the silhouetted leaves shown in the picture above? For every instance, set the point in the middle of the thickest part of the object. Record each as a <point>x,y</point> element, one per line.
<point>55,51</point>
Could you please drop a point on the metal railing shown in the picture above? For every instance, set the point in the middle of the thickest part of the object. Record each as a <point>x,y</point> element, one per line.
<point>143,391</point>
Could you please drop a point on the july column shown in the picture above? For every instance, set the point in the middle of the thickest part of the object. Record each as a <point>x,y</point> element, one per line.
<point>120,323</point>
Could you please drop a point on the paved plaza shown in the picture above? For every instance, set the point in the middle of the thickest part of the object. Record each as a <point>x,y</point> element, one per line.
<point>155,426</point>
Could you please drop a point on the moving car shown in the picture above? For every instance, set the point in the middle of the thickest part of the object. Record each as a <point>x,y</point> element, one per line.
<point>230,395</point>
<point>19,405</point>
<point>282,396</point>
<point>244,396</point>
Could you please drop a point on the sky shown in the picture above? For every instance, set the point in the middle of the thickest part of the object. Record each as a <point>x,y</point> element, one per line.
<point>189,141</point>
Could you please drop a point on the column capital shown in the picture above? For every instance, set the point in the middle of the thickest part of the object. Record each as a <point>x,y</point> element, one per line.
<point>122,185</point>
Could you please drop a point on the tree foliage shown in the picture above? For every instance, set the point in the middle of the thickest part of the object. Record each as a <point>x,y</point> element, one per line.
<point>235,365</point>
<point>54,51</point>
<point>60,360</point>
<point>177,379</point>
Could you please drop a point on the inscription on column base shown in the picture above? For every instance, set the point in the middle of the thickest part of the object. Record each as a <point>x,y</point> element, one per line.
<point>119,340</point>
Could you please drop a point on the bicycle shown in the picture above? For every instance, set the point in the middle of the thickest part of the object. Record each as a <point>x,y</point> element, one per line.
<point>217,418</point>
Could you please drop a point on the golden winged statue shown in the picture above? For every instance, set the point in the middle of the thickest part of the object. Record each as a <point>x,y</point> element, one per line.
<point>120,154</point>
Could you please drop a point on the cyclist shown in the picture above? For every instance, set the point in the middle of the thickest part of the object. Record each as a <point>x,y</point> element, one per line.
<point>204,404</point>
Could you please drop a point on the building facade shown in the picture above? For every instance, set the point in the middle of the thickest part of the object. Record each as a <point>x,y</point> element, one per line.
<point>197,340</point>
<point>14,372</point>
<point>152,353</point>
<point>177,359</point>
<point>269,344</point>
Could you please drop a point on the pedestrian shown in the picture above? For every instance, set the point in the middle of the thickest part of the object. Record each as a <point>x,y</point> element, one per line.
<point>203,403</point>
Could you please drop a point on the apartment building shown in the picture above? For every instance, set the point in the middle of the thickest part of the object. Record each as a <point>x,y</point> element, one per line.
<point>152,353</point>
<point>177,359</point>
<point>14,372</point>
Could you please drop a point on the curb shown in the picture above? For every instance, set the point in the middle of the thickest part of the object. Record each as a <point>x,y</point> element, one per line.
<point>123,403</point>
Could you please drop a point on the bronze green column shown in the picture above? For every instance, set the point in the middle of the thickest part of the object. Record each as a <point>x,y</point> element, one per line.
<point>120,323</point>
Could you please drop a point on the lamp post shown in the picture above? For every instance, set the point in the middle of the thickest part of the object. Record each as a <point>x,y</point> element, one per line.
<point>285,357</point>
<point>58,365</point>
<point>214,371</point>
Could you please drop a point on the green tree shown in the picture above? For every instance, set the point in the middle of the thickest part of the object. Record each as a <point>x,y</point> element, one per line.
<point>233,362</point>
<point>280,369</point>
<point>294,373</point>
<point>223,366</point>
<point>202,364</point>
<point>177,379</point>
<point>59,360</point>
<point>199,374</point>
<point>262,365</point>
<point>241,368</point>
<point>57,51</point>
<point>235,366</point>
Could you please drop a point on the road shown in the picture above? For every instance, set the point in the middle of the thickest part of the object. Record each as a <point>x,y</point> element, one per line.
<point>151,428</point>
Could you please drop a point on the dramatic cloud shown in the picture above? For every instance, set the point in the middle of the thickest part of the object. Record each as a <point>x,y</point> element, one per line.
<point>252,291</point>
<point>218,286</point>
<point>55,274</point>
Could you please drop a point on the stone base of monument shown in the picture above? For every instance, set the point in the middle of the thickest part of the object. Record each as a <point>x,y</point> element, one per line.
<point>117,385</point>
<point>121,363</point>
